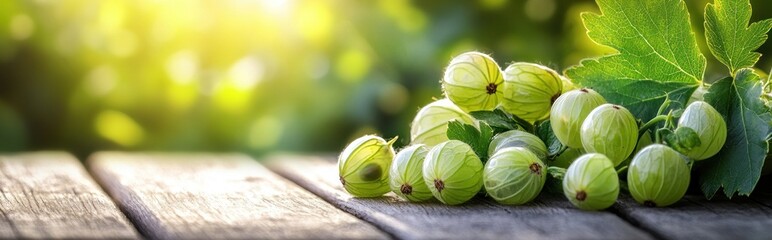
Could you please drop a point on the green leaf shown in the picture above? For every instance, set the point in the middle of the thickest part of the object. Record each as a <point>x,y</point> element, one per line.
<point>729,36</point>
<point>545,133</point>
<point>503,120</point>
<point>478,139</point>
<point>737,167</point>
<point>683,139</point>
<point>657,55</point>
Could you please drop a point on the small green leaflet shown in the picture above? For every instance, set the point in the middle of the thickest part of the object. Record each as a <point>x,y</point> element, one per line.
<point>737,167</point>
<point>502,121</point>
<point>544,131</point>
<point>729,36</point>
<point>469,134</point>
<point>657,55</point>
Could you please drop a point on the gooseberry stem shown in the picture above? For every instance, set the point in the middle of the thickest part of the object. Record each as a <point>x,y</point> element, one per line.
<point>651,123</point>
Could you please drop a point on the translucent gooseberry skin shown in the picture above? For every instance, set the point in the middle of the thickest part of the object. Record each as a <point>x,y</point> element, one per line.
<point>610,130</point>
<point>364,164</point>
<point>514,176</point>
<point>517,138</point>
<point>472,81</point>
<point>591,182</point>
<point>453,172</point>
<point>568,85</point>
<point>658,176</point>
<point>709,126</point>
<point>406,174</point>
<point>529,90</point>
<point>431,123</point>
<point>568,113</point>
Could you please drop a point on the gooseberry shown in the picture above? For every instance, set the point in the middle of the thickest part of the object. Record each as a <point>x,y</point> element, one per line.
<point>363,166</point>
<point>431,123</point>
<point>591,183</point>
<point>514,175</point>
<point>529,90</point>
<point>517,138</point>
<point>472,81</point>
<point>567,157</point>
<point>569,111</point>
<point>453,172</point>
<point>658,176</point>
<point>407,180</point>
<point>709,126</point>
<point>610,130</point>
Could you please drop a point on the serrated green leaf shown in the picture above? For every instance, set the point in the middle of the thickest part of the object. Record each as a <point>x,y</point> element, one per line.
<point>657,55</point>
<point>496,119</point>
<point>729,36</point>
<point>737,167</point>
<point>478,139</point>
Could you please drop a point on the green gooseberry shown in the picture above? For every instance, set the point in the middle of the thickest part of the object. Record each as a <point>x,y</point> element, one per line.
<point>517,138</point>
<point>591,182</point>
<point>568,113</point>
<point>514,175</point>
<point>529,90</point>
<point>406,173</point>
<point>709,126</point>
<point>567,157</point>
<point>363,166</point>
<point>568,85</point>
<point>658,176</point>
<point>453,172</point>
<point>610,130</point>
<point>472,81</point>
<point>430,125</point>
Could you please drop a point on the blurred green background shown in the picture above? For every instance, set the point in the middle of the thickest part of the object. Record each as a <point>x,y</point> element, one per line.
<point>259,76</point>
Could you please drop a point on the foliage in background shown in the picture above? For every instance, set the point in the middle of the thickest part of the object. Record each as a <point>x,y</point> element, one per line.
<point>262,75</point>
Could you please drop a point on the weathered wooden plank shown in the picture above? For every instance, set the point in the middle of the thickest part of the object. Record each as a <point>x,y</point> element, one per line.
<point>218,197</point>
<point>50,195</point>
<point>694,217</point>
<point>549,217</point>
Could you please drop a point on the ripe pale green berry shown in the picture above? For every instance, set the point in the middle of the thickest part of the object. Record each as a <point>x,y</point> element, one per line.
<point>529,90</point>
<point>406,174</point>
<point>431,123</point>
<point>568,85</point>
<point>363,166</point>
<point>610,130</point>
<point>514,175</point>
<point>517,138</point>
<point>591,182</point>
<point>658,176</point>
<point>569,111</point>
<point>472,81</point>
<point>709,126</point>
<point>567,157</point>
<point>453,172</point>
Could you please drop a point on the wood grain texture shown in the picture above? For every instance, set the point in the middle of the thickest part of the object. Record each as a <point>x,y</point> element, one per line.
<point>203,196</point>
<point>694,217</point>
<point>50,195</point>
<point>549,217</point>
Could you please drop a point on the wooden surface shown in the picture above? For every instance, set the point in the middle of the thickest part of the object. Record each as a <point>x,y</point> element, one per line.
<point>696,218</point>
<point>203,196</point>
<point>50,195</point>
<point>549,217</point>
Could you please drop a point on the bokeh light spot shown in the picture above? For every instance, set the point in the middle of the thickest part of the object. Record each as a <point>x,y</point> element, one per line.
<point>352,65</point>
<point>182,67</point>
<point>264,132</point>
<point>21,27</point>
<point>101,80</point>
<point>119,128</point>
<point>247,72</point>
<point>540,10</point>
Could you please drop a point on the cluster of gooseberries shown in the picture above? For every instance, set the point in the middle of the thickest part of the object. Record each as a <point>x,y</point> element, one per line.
<point>599,140</point>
